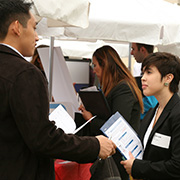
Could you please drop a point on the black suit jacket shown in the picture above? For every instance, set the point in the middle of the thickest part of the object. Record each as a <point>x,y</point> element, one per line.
<point>28,140</point>
<point>161,163</point>
<point>120,99</point>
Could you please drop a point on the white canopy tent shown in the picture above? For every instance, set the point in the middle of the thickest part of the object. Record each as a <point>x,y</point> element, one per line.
<point>151,22</point>
<point>84,49</point>
<point>71,46</point>
<point>173,48</point>
<point>154,22</point>
<point>61,13</point>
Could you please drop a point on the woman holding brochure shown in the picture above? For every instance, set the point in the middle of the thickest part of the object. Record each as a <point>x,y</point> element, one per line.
<point>160,129</point>
<point>121,92</point>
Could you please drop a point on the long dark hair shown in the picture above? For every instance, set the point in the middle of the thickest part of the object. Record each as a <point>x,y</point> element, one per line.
<point>114,71</point>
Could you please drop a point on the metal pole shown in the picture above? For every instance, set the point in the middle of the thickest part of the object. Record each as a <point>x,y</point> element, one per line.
<point>129,59</point>
<point>51,58</point>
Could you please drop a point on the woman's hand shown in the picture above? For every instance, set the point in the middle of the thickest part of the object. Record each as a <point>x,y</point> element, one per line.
<point>128,163</point>
<point>86,114</point>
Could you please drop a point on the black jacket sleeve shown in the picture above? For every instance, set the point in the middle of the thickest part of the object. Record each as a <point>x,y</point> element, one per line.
<point>30,107</point>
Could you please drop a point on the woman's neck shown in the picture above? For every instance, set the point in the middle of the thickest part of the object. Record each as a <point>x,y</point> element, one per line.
<point>164,99</point>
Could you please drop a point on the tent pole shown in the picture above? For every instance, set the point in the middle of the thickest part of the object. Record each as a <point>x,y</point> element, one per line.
<point>129,59</point>
<point>51,57</point>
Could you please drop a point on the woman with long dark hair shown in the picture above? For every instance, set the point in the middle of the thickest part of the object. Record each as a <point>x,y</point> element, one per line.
<point>121,92</point>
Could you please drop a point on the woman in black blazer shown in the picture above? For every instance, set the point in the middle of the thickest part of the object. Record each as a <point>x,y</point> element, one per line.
<point>160,128</point>
<point>121,92</point>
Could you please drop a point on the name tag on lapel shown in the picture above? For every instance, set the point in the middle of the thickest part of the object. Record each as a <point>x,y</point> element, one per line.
<point>161,140</point>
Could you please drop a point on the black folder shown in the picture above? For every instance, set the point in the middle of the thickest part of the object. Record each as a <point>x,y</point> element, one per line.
<point>95,102</point>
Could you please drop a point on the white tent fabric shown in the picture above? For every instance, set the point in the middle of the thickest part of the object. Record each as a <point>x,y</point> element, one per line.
<point>63,12</point>
<point>72,47</point>
<point>46,32</point>
<point>170,48</point>
<point>84,49</point>
<point>145,21</point>
<point>153,22</point>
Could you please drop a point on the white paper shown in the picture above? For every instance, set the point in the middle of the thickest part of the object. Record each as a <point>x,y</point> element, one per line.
<point>62,84</point>
<point>64,121</point>
<point>122,134</point>
<point>78,129</point>
<point>92,88</point>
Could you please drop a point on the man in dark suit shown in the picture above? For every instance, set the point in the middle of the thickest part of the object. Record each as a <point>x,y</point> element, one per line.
<point>28,140</point>
<point>140,52</point>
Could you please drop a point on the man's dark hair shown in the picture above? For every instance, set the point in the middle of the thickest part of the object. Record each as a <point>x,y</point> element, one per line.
<point>149,48</point>
<point>166,63</point>
<point>12,10</point>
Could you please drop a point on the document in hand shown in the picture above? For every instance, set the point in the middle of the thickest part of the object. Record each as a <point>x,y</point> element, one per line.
<point>64,121</point>
<point>123,135</point>
<point>95,102</point>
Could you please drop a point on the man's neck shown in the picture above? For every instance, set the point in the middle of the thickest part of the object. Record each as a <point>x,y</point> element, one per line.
<point>11,47</point>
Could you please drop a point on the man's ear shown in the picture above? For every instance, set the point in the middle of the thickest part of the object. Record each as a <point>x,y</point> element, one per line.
<point>16,27</point>
<point>144,51</point>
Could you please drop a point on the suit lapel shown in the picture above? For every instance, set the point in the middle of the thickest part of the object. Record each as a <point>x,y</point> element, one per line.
<point>161,119</point>
<point>174,99</point>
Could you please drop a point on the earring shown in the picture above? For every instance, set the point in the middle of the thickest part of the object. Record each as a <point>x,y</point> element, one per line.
<point>166,84</point>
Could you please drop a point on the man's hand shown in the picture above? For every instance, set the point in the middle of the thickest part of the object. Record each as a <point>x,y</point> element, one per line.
<point>107,147</point>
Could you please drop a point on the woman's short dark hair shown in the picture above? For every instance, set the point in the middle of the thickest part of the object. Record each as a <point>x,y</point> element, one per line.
<point>166,63</point>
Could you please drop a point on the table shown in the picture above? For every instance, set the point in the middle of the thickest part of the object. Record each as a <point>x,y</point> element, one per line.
<point>68,170</point>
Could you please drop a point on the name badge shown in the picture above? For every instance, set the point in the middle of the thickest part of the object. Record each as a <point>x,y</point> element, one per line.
<point>161,140</point>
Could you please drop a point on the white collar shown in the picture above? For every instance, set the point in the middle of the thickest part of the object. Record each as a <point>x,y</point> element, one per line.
<point>13,49</point>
